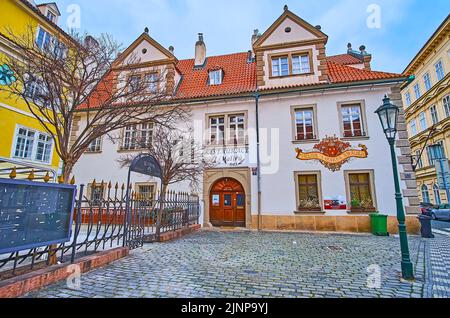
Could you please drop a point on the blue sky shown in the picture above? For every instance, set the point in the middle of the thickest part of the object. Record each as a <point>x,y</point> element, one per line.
<point>228,24</point>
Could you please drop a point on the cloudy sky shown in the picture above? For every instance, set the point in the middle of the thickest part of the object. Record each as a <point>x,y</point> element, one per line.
<point>404,27</point>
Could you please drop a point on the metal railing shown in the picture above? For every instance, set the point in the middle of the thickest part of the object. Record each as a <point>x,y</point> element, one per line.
<point>109,222</point>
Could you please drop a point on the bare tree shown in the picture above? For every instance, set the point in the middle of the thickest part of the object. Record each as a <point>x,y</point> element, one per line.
<point>63,79</point>
<point>181,158</point>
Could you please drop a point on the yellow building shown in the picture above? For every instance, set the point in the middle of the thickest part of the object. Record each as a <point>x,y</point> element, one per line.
<point>23,140</point>
<point>427,110</point>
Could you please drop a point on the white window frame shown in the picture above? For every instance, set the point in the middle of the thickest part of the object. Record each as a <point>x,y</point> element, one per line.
<point>434,114</point>
<point>439,67</point>
<point>276,67</point>
<point>133,136</point>
<point>408,99</point>
<point>446,103</point>
<point>304,66</point>
<point>236,139</point>
<point>423,121</point>
<point>215,127</point>
<point>95,146</point>
<point>351,113</point>
<point>413,127</point>
<point>417,91</point>
<point>297,111</point>
<point>215,77</point>
<point>34,146</point>
<point>427,81</point>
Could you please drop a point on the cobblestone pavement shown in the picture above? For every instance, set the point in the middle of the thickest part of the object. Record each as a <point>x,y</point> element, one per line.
<point>438,267</point>
<point>250,264</point>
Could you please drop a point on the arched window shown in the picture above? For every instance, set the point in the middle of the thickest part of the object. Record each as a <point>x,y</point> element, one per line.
<point>437,194</point>
<point>425,194</point>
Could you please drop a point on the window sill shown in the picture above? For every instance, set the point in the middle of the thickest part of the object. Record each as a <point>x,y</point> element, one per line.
<point>309,212</point>
<point>355,138</point>
<point>226,146</point>
<point>305,141</point>
<point>130,150</point>
<point>36,162</point>
<point>362,211</point>
<point>290,75</point>
<point>93,152</point>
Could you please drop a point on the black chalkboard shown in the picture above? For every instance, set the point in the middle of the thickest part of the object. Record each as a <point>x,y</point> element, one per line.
<point>34,214</point>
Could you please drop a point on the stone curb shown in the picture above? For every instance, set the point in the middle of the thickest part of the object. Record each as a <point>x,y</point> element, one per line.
<point>24,284</point>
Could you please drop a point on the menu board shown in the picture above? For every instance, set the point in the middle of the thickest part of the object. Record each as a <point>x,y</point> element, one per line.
<point>34,214</point>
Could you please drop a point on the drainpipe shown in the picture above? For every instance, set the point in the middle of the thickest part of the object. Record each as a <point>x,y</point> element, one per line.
<point>258,159</point>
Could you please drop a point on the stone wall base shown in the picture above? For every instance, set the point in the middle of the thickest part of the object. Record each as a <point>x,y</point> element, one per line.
<point>179,233</point>
<point>316,223</point>
<point>24,284</point>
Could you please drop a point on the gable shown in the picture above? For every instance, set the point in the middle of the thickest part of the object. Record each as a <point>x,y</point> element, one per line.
<point>144,50</point>
<point>297,34</point>
<point>289,28</point>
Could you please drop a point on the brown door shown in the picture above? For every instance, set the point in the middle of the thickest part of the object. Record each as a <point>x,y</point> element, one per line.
<point>227,204</point>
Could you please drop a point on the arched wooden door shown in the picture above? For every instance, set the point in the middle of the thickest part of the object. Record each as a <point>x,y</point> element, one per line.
<point>227,203</point>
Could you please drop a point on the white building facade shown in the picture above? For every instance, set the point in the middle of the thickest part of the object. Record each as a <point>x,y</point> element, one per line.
<point>323,162</point>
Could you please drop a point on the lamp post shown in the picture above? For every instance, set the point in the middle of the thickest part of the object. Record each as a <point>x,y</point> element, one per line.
<point>388,114</point>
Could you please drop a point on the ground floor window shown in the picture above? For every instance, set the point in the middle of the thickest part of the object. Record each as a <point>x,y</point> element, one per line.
<point>308,196</point>
<point>146,194</point>
<point>425,194</point>
<point>437,194</point>
<point>361,196</point>
<point>32,145</point>
<point>96,193</point>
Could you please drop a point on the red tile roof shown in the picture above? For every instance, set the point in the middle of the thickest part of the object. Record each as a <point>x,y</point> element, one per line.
<point>344,59</point>
<point>339,73</point>
<point>239,76</point>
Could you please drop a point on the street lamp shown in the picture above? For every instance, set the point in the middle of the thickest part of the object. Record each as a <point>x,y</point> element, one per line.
<point>388,114</point>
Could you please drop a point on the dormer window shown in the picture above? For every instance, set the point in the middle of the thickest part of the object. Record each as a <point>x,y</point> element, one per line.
<point>215,77</point>
<point>51,16</point>
<point>291,64</point>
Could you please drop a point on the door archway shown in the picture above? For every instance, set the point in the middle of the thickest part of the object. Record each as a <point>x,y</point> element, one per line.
<point>227,203</point>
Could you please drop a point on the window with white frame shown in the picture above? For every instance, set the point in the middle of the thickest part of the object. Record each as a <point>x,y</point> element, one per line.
<point>446,102</point>
<point>301,64</point>
<point>439,70</point>
<point>423,121</point>
<point>427,81</point>
<point>137,137</point>
<point>228,129</point>
<point>152,82</point>
<point>304,124</point>
<point>95,145</point>
<point>434,114</point>
<point>215,77</point>
<point>51,16</point>
<point>408,99</point>
<point>417,91</point>
<point>34,89</point>
<point>425,194</point>
<point>237,129</point>
<point>146,191</point>
<point>217,130</point>
<point>45,41</point>
<point>413,127</point>
<point>32,145</point>
<point>352,120</point>
<point>437,194</point>
<point>280,66</point>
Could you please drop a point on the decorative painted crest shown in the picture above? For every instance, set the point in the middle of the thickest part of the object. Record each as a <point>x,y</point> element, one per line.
<point>333,153</point>
<point>6,75</point>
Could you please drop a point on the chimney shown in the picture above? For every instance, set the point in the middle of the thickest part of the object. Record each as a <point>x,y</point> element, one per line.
<point>255,36</point>
<point>200,51</point>
<point>171,49</point>
<point>366,57</point>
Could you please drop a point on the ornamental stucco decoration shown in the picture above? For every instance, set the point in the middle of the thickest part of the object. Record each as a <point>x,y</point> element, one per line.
<point>333,153</point>
<point>6,75</point>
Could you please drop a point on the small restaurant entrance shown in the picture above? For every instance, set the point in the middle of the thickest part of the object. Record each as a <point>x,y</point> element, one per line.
<point>227,203</point>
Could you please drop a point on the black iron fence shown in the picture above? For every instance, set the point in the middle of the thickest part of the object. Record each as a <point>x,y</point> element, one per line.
<point>115,217</point>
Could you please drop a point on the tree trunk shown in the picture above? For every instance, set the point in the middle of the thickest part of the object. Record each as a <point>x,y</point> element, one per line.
<point>162,198</point>
<point>67,171</point>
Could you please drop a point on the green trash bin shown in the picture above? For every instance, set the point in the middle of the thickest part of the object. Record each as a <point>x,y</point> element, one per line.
<point>379,224</point>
